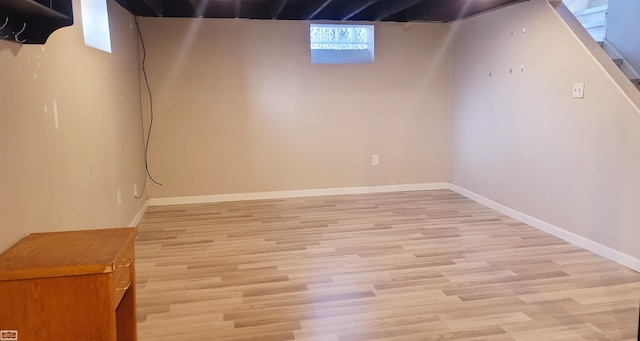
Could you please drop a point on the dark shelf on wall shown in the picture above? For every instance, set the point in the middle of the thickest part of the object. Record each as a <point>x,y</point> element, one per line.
<point>32,22</point>
<point>33,8</point>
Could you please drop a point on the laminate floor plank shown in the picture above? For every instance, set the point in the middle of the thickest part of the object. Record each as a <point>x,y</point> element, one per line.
<point>424,265</point>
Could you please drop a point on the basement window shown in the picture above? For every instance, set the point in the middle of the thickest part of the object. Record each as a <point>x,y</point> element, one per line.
<point>341,44</point>
<point>95,24</point>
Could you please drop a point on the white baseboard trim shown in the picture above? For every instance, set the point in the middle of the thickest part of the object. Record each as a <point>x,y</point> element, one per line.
<point>597,248</point>
<point>136,220</point>
<point>296,194</point>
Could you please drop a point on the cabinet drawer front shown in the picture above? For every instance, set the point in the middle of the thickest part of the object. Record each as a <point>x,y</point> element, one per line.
<point>120,290</point>
<point>123,272</point>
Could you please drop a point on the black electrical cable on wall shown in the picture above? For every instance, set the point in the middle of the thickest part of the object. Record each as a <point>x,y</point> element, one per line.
<point>146,81</point>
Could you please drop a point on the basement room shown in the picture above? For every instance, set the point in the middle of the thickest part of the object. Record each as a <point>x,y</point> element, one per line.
<point>323,170</point>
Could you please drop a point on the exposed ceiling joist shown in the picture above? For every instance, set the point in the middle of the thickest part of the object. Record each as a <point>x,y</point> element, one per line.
<point>394,8</point>
<point>199,7</point>
<point>154,5</point>
<point>356,7</point>
<point>317,8</point>
<point>237,8</point>
<point>423,10</point>
<point>277,8</point>
<point>345,10</point>
<point>451,10</point>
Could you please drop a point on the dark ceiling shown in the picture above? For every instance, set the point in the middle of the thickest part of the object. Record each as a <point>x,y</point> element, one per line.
<point>361,10</point>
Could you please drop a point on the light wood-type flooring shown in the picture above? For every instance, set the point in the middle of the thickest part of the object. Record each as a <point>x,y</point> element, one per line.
<point>428,265</point>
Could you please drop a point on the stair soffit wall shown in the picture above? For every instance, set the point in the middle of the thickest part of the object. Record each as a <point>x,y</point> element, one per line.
<point>607,64</point>
<point>594,19</point>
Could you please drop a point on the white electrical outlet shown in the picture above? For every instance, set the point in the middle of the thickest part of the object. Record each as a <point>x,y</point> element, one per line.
<point>578,90</point>
<point>119,194</point>
<point>135,190</point>
<point>375,160</point>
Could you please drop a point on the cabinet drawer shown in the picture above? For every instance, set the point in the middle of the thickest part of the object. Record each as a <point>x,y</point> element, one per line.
<point>123,272</point>
<point>121,287</point>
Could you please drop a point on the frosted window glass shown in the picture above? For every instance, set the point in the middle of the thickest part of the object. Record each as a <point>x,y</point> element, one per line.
<point>344,37</point>
<point>95,24</point>
<point>341,44</point>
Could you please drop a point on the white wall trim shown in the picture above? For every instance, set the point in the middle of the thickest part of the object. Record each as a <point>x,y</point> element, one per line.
<point>136,220</point>
<point>597,248</point>
<point>295,194</point>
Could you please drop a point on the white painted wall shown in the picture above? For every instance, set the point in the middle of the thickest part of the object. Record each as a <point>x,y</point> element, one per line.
<point>623,30</point>
<point>521,140</point>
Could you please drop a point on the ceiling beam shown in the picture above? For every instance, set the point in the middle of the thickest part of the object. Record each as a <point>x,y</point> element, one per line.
<point>496,6</point>
<point>199,7</point>
<point>277,8</point>
<point>395,7</point>
<point>356,7</point>
<point>319,6</point>
<point>237,9</point>
<point>424,11</point>
<point>451,10</point>
<point>154,5</point>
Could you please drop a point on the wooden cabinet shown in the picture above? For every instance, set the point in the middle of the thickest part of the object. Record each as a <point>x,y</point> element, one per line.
<point>77,285</point>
